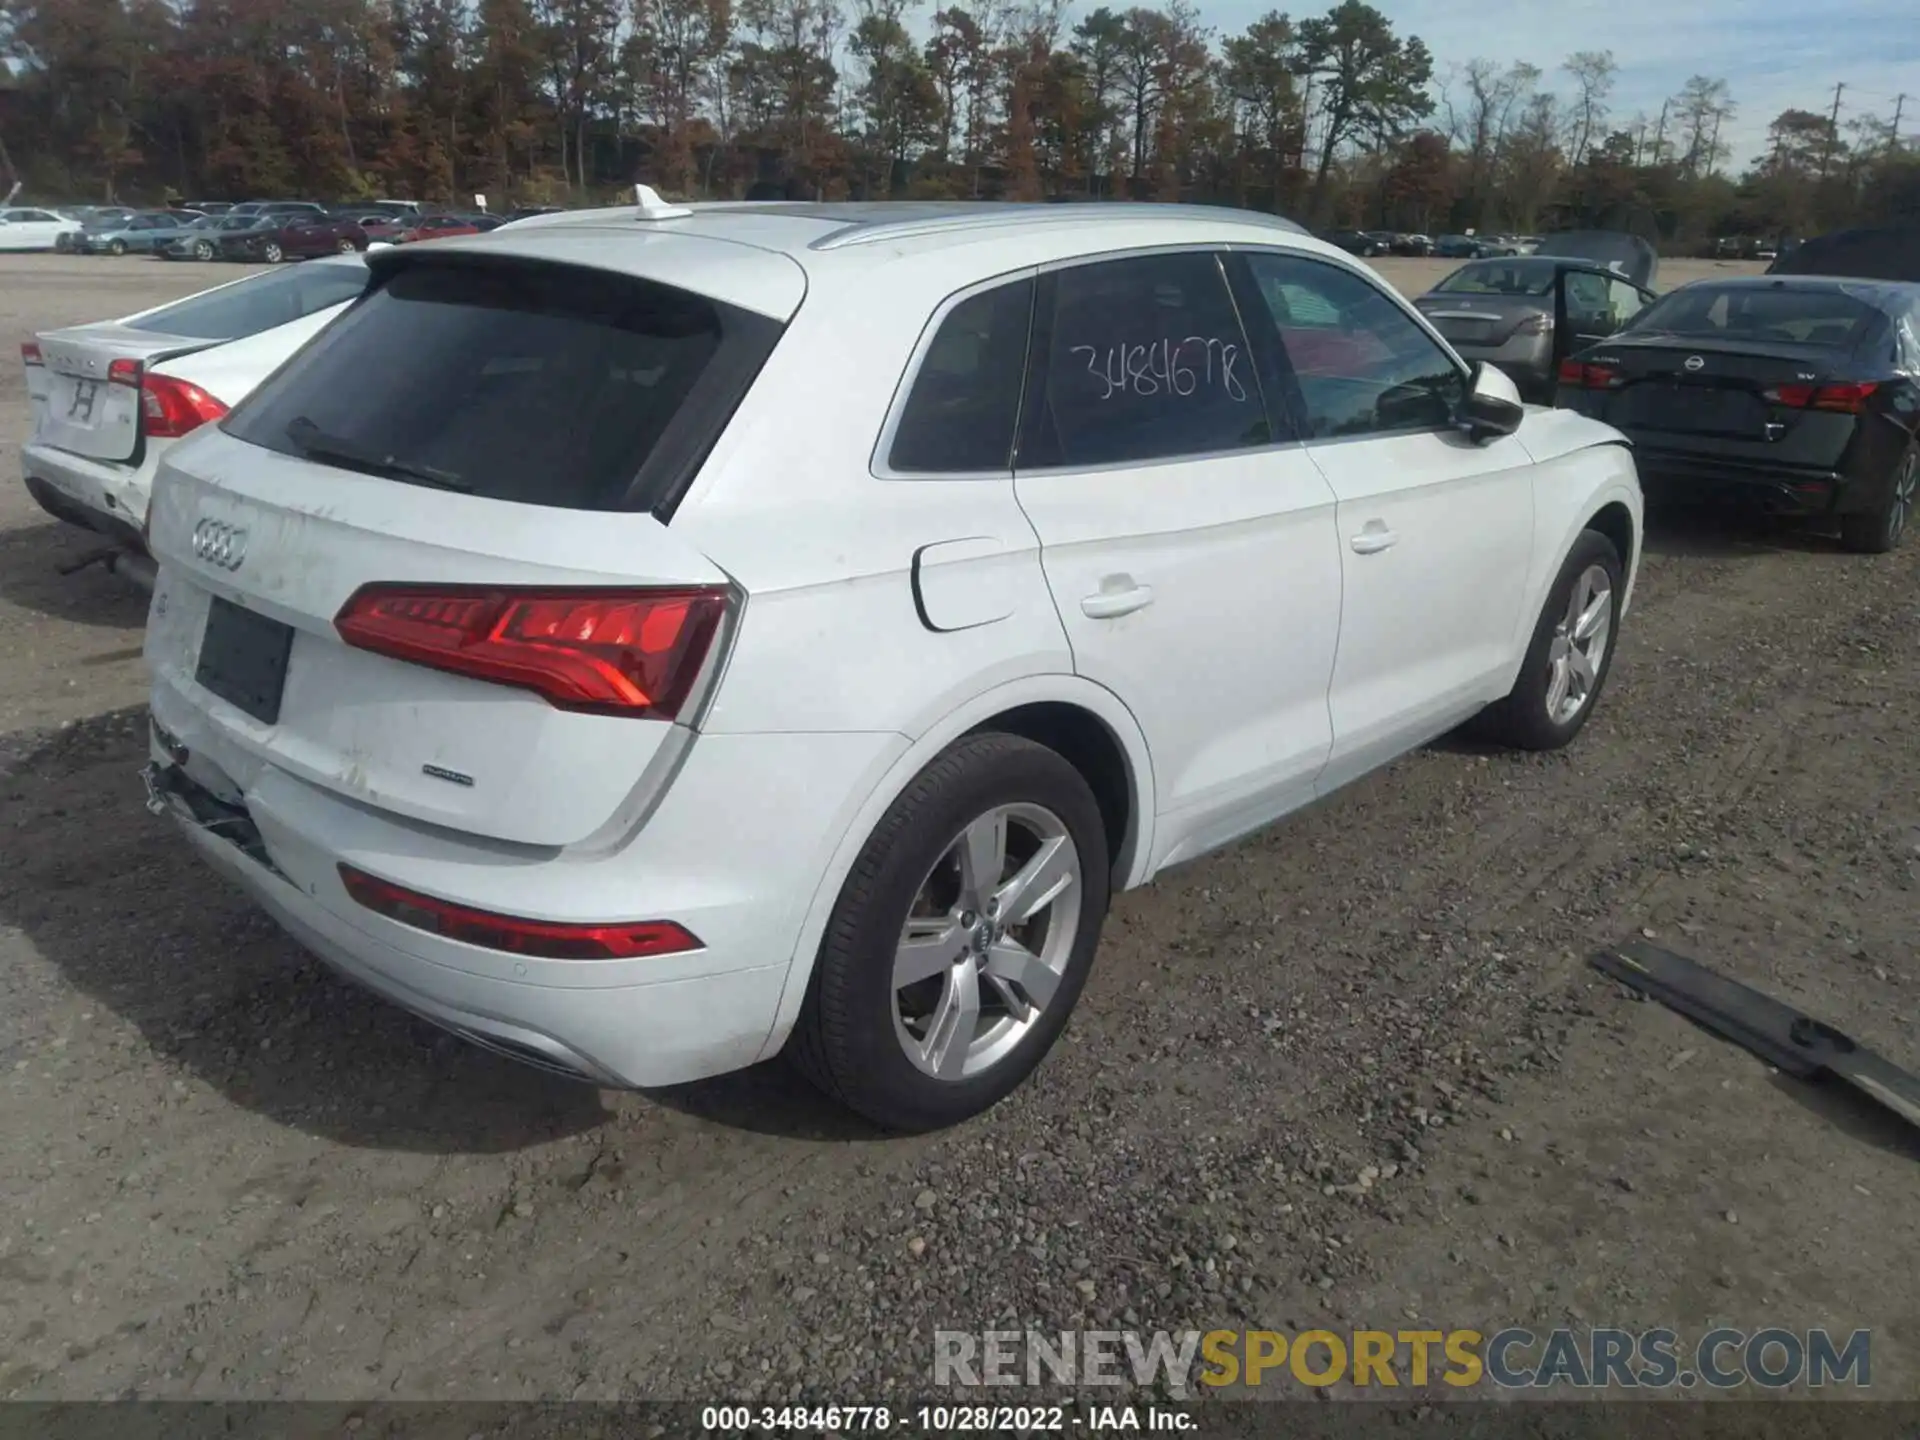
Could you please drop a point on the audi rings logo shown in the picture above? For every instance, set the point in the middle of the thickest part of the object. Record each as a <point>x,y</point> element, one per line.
<point>218,544</point>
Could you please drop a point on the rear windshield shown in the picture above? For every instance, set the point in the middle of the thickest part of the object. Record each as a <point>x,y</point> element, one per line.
<point>260,302</point>
<point>1823,317</point>
<point>1506,277</point>
<point>540,384</point>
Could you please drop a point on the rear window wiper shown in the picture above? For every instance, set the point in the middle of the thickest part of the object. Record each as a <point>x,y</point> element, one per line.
<point>316,444</point>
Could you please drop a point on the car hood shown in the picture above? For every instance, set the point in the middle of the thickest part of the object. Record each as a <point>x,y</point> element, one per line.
<point>1633,257</point>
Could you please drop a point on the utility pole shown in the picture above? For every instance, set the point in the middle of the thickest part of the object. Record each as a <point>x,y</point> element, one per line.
<point>1833,130</point>
<point>1893,136</point>
<point>1660,132</point>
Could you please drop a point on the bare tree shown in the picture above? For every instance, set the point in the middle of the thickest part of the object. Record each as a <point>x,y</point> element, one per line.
<point>1592,72</point>
<point>1700,110</point>
<point>1478,102</point>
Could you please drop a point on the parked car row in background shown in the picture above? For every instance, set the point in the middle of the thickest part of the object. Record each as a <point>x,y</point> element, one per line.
<point>260,231</point>
<point>1370,243</point>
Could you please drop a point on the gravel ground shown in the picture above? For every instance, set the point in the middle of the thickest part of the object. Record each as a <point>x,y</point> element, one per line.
<point>1352,1072</point>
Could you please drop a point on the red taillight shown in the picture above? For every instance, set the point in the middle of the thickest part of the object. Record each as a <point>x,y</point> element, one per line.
<point>545,938</point>
<point>30,354</point>
<point>1845,399</point>
<point>171,408</point>
<point>1590,377</point>
<point>626,652</point>
<point>124,372</point>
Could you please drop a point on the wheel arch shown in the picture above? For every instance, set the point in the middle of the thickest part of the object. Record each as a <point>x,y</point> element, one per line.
<point>1083,721</point>
<point>1617,523</point>
<point>1593,487</point>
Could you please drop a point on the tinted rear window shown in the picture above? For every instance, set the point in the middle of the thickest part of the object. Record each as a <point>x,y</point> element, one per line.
<point>1797,317</point>
<point>257,303</point>
<point>540,384</point>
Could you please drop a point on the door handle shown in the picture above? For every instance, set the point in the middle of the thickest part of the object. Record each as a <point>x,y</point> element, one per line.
<point>1375,538</point>
<point>1112,604</point>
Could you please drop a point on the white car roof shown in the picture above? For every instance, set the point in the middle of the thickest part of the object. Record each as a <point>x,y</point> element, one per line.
<point>763,256</point>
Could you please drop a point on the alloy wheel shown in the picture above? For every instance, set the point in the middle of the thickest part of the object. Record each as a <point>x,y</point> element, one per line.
<point>271,254</point>
<point>203,250</point>
<point>986,942</point>
<point>1906,480</point>
<point>1579,645</point>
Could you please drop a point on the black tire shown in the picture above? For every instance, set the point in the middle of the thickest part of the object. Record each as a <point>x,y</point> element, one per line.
<point>203,250</point>
<point>117,247</point>
<point>272,253</point>
<point>346,246</point>
<point>845,1040</point>
<point>1876,531</point>
<point>1521,720</point>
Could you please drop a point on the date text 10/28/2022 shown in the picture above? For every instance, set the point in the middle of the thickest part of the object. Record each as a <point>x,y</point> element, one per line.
<point>944,1419</point>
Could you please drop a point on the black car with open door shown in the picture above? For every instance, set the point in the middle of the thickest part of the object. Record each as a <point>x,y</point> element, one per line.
<point>1526,313</point>
<point>1800,394</point>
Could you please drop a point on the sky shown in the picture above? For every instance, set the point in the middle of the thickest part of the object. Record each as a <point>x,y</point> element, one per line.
<point>1774,56</point>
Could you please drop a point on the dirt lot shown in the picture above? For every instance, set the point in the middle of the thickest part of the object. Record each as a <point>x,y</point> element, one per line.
<point>229,1175</point>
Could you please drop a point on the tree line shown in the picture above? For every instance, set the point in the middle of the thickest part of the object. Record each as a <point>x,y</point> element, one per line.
<point>1332,118</point>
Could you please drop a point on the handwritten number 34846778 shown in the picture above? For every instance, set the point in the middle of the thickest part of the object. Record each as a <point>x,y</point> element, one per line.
<point>1173,367</point>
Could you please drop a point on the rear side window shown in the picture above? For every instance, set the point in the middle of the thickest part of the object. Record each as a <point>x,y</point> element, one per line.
<point>1139,359</point>
<point>260,302</point>
<point>960,415</point>
<point>1826,317</point>
<point>539,384</point>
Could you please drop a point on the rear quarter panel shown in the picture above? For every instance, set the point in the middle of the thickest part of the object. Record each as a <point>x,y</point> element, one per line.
<point>789,506</point>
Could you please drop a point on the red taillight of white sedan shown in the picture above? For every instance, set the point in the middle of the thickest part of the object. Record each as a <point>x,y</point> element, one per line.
<point>171,407</point>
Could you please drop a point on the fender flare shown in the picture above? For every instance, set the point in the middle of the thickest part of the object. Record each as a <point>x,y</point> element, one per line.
<point>1063,689</point>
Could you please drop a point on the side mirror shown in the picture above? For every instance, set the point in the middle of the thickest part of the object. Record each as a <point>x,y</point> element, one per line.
<point>1492,407</point>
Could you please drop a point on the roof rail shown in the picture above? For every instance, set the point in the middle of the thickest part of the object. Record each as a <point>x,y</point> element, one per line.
<point>998,215</point>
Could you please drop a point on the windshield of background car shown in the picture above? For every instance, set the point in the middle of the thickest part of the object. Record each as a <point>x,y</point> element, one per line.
<point>1509,277</point>
<point>540,384</point>
<point>1827,317</point>
<point>257,303</point>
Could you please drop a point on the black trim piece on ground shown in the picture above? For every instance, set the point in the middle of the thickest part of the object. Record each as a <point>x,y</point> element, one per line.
<point>1797,1044</point>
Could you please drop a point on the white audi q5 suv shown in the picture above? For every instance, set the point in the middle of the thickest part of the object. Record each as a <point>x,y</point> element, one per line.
<point>649,640</point>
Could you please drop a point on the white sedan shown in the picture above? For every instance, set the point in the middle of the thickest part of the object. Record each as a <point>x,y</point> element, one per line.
<point>107,399</point>
<point>27,227</point>
<point>648,641</point>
